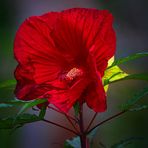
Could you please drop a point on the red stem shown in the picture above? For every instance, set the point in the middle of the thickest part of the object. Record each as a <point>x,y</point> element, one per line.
<point>91,122</point>
<point>71,123</point>
<point>83,136</point>
<point>114,116</point>
<point>56,124</point>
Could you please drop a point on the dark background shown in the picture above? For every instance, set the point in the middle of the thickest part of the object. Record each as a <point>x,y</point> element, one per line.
<point>131,25</point>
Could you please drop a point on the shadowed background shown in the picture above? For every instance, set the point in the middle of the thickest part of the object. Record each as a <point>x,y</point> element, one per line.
<point>132,33</point>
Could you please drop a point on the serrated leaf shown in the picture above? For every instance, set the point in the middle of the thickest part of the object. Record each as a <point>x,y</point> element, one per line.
<point>113,74</point>
<point>106,73</point>
<point>135,98</point>
<point>74,143</point>
<point>14,122</point>
<point>8,83</point>
<point>126,142</point>
<point>30,104</point>
<point>128,58</point>
<point>122,77</point>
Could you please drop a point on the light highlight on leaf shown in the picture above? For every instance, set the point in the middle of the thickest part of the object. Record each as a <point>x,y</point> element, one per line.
<point>113,74</point>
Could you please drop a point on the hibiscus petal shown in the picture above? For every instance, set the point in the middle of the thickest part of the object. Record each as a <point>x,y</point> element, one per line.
<point>47,47</point>
<point>64,99</point>
<point>78,29</point>
<point>39,61</point>
<point>105,45</point>
<point>96,96</point>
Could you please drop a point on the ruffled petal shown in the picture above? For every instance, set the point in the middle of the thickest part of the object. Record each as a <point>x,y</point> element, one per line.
<point>47,47</point>
<point>78,29</point>
<point>64,99</point>
<point>105,44</point>
<point>39,61</point>
<point>95,96</point>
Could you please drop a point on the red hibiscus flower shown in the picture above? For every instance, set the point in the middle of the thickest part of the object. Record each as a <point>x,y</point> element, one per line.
<point>62,57</point>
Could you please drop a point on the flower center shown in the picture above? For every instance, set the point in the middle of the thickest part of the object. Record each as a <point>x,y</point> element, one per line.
<point>73,73</point>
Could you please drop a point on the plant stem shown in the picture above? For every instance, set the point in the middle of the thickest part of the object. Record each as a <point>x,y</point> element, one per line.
<point>108,119</point>
<point>91,122</point>
<point>84,141</point>
<point>83,136</point>
<point>56,124</point>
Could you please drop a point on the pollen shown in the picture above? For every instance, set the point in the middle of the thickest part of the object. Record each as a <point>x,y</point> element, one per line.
<point>73,73</point>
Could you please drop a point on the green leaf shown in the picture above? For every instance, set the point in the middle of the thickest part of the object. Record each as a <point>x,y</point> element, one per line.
<point>20,119</point>
<point>76,108</point>
<point>12,103</point>
<point>74,143</point>
<point>126,142</point>
<point>113,74</point>
<point>8,83</point>
<point>14,122</point>
<point>135,98</point>
<point>107,73</point>
<point>122,76</point>
<point>30,104</point>
<point>128,58</point>
<point>25,104</point>
<point>42,112</point>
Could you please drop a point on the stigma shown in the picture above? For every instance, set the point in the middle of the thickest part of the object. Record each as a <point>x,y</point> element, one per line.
<point>73,73</point>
